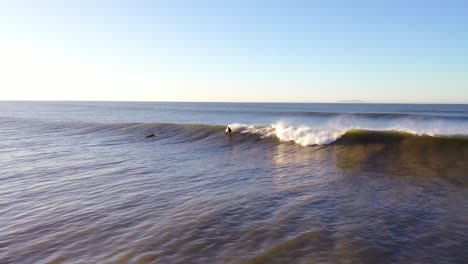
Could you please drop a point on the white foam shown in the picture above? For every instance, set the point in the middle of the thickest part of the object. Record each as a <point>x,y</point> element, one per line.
<point>333,129</point>
<point>305,135</point>
<point>302,135</point>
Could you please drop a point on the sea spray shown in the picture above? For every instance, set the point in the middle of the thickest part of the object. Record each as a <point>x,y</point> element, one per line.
<point>302,135</point>
<point>308,136</point>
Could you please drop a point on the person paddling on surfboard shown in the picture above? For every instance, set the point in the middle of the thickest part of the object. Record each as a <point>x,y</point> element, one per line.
<point>228,131</point>
<point>152,135</point>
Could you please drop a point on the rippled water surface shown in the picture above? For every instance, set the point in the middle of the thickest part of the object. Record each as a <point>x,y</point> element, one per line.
<point>80,183</point>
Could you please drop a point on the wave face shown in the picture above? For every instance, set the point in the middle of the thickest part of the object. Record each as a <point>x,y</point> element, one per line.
<point>243,133</point>
<point>415,143</point>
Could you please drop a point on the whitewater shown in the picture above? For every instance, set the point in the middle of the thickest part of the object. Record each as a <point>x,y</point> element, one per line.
<point>326,134</point>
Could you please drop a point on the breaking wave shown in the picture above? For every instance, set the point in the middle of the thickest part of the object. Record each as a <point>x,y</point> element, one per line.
<point>307,136</point>
<point>333,134</point>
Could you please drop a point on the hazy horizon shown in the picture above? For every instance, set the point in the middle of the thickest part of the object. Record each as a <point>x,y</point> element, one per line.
<point>295,52</point>
<point>235,102</point>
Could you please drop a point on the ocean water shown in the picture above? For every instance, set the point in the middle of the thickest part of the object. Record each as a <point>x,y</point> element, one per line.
<point>294,183</point>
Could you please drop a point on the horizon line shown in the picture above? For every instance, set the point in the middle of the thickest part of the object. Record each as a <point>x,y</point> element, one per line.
<point>232,102</point>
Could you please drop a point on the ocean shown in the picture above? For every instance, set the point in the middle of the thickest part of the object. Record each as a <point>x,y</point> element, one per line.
<point>294,183</point>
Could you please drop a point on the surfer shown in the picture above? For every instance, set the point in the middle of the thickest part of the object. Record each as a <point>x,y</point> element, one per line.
<point>228,130</point>
<point>152,135</point>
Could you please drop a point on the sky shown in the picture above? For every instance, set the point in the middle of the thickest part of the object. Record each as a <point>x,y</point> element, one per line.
<point>239,51</point>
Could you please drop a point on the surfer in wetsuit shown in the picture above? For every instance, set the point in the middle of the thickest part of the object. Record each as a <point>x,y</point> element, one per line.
<point>228,130</point>
<point>152,135</point>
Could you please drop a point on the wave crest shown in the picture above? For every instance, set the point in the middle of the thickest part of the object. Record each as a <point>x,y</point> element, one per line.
<point>307,136</point>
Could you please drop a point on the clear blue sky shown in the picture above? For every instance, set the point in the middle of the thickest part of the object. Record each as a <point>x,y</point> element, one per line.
<point>293,51</point>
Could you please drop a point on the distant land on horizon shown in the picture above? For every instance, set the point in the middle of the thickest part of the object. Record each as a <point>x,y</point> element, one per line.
<point>352,101</point>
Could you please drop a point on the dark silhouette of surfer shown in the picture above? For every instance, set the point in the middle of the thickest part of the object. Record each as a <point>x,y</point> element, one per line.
<point>228,131</point>
<point>152,135</point>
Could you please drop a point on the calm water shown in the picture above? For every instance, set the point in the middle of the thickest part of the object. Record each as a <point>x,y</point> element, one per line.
<point>295,183</point>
